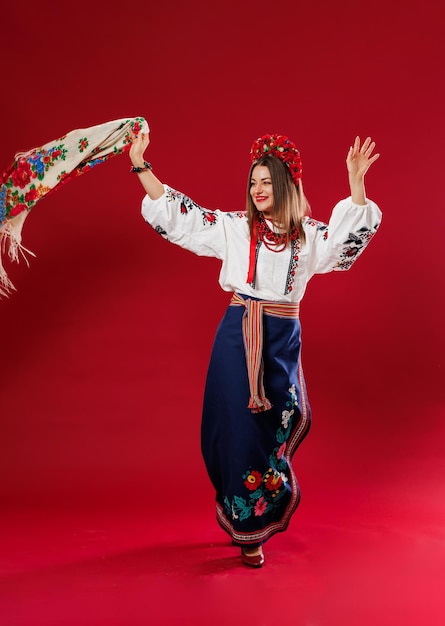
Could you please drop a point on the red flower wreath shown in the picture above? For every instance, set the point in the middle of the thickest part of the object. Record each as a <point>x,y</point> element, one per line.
<point>281,147</point>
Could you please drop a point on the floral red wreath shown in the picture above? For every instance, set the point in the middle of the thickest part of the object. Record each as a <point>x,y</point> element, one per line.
<point>281,147</point>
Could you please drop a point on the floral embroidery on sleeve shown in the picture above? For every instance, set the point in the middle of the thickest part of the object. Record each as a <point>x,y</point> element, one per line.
<point>208,217</point>
<point>354,246</point>
<point>320,227</point>
<point>187,205</point>
<point>236,214</point>
<point>161,231</point>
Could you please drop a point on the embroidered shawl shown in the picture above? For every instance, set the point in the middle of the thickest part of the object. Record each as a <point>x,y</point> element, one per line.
<point>38,172</point>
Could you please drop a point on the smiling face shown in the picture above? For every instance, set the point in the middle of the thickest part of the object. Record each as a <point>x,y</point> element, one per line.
<point>261,190</point>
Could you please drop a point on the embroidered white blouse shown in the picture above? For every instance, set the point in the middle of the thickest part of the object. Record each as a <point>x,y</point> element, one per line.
<point>279,276</point>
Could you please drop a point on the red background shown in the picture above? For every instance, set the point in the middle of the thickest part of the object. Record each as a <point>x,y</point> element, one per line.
<point>106,341</point>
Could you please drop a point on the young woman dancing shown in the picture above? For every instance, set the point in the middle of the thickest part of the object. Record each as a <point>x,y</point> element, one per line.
<point>256,411</point>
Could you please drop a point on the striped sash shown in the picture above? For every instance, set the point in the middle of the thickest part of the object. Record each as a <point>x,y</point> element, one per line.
<point>253,342</point>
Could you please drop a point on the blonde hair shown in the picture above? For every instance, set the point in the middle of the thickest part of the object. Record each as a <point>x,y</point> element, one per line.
<point>290,204</point>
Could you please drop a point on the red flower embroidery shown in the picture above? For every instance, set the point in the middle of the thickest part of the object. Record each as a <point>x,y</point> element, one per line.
<point>260,507</point>
<point>31,195</point>
<point>21,175</point>
<point>253,480</point>
<point>281,450</point>
<point>18,209</point>
<point>210,217</point>
<point>273,480</point>
<point>83,144</point>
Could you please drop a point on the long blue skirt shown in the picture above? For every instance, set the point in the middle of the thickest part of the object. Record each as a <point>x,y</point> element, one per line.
<point>248,455</point>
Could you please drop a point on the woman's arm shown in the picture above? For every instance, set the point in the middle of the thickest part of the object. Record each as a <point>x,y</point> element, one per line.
<point>353,222</point>
<point>358,161</point>
<point>175,216</point>
<point>152,186</point>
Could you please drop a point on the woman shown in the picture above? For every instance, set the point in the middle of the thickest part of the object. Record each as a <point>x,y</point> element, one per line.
<point>256,411</point>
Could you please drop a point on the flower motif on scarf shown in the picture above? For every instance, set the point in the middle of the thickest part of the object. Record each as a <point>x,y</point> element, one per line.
<point>83,144</point>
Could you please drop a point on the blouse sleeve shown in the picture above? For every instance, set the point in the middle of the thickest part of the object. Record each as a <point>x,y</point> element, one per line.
<point>183,222</point>
<point>337,245</point>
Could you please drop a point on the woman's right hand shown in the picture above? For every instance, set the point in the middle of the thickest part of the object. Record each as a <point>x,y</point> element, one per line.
<point>153,187</point>
<point>139,143</point>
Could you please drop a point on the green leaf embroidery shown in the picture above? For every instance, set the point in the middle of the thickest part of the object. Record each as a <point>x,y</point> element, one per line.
<point>242,508</point>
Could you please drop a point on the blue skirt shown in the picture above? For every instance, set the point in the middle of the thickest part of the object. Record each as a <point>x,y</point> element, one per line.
<point>248,455</point>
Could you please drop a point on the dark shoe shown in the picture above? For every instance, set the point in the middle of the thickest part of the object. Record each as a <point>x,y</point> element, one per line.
<point>252,561</point>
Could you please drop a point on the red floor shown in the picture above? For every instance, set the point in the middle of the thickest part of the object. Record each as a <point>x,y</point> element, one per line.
<point>355,556</point>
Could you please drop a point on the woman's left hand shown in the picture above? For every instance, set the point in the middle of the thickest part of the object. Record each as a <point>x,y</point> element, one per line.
<point>360,159</point>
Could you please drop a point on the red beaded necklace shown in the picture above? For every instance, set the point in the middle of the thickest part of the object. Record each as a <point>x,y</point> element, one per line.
<point>276,242</point>
<point>270,238</point>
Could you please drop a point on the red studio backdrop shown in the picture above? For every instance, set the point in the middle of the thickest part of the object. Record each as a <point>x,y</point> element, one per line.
<point>105,342</point>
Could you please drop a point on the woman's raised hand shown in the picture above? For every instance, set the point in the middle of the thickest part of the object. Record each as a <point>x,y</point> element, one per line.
<point>153,187</point>
<point>139,144</point>
<point>360,159</point>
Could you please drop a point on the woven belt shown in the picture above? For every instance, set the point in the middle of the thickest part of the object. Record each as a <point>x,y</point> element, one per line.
<point>253,342</point>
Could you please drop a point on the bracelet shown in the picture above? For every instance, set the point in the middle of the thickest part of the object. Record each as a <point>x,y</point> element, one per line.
<point>138,170</point>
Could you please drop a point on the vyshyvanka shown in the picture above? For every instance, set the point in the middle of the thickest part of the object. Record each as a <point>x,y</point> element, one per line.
<point>256,411</point>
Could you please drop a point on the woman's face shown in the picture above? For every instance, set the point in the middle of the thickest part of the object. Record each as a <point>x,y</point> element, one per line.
<point>261,190</point>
